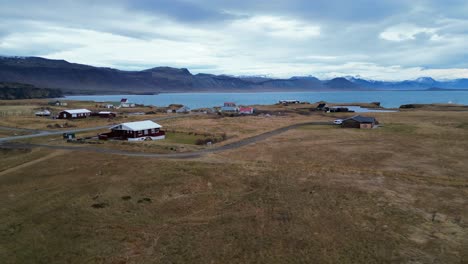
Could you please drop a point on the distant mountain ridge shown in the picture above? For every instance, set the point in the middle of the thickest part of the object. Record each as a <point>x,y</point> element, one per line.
<point>73,78</point>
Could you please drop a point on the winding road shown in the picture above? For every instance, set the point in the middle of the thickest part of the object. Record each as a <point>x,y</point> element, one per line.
<point>182,155</point>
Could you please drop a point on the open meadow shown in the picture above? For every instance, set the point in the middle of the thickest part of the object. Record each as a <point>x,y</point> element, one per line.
<point>314,194</point>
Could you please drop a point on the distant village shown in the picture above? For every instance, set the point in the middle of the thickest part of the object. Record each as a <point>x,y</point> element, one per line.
<point>149,130</point>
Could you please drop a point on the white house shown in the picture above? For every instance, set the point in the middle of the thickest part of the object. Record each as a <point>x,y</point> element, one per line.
<point>124,103</point>
<point>135,131</point>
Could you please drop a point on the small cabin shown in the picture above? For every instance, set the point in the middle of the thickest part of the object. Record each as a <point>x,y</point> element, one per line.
<point>361,122</point>
<point>135,131</point>
<point>74,114</point>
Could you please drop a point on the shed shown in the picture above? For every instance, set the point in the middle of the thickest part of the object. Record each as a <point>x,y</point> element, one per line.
<point>360,122</point>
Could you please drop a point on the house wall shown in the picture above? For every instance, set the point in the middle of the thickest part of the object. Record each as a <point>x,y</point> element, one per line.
<point>65,115</point>
<point>350,124</point>
<point>366,126</point>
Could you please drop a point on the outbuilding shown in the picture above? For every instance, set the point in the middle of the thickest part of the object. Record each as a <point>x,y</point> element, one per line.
<point>135,131</point>
<point>360,122</point>
<point>74,114</point>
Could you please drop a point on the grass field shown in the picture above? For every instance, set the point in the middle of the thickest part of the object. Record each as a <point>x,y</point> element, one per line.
<point>316,194</point>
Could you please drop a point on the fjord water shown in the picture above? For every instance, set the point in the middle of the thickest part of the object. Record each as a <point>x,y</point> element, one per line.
<point>388,99</point>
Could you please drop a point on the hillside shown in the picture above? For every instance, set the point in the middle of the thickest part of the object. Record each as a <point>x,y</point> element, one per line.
<point>75,78</point>
<point>11,91</point>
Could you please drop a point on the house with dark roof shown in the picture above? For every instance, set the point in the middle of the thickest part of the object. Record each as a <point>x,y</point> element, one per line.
<point>360,122</point>
<point>321,106</point>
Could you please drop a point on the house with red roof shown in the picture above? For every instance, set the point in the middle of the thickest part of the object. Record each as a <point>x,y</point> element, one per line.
<point>246,110</point>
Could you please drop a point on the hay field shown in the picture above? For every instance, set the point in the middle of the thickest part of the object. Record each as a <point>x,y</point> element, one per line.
<point>316,194</point>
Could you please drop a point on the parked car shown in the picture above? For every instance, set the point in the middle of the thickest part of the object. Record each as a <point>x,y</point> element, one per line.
<point>338,121</point>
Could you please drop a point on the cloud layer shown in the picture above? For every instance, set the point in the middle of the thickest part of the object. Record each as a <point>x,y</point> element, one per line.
<point>390,40</point>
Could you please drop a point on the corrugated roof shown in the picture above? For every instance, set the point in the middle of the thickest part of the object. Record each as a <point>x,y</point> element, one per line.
<point>137,126</point>
<point>362,119</point>
<point>77,111</point>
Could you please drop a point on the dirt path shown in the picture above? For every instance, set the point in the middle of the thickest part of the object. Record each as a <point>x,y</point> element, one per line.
<point>32,162</point>
<point>194,154</point>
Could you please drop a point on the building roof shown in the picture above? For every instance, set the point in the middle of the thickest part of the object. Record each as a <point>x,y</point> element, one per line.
<point>321,105</point>
<point>124,100</point>
<point>105,113</point>
<point>77,111</point>
<point>228,108</point>
<point>362,119</point>
<point>137,126</point>
<point>246,109</point>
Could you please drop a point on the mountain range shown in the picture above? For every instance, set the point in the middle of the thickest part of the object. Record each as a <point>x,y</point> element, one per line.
<point>73,78</point>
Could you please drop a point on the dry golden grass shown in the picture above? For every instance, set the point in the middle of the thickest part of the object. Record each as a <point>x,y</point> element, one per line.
<point>20,113</point>
<point>317,194</point>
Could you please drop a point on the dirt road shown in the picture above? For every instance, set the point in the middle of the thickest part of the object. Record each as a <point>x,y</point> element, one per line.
<point>194,154</point>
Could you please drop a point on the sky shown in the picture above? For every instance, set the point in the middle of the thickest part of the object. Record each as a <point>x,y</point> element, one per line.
<point>384,39</point>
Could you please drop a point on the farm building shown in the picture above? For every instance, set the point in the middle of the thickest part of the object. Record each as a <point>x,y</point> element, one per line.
<point>106,114</point>
<point>289,101</point>
<point>322,107</point>
<point>246,110</point>
<point>135,131</point>
<point>43,113</point>
<point>229,104</point>
<point>183,109</point>
<point>229,109</point>
<point>74,113</point>
<point>125,103</point>
<point>359,122</point>
<point>57,103</point>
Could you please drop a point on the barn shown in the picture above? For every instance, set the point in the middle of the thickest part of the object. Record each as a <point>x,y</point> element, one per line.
<point>74,114</point>
<point>135,131</point>
<point>360,122</point>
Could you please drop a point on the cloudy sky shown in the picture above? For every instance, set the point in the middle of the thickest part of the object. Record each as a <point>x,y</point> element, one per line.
<point>384,39</point>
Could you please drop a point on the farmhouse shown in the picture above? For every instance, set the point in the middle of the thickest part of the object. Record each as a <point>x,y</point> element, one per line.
<point>229,107</point>
<point>360,122</point>
<point>246,110</point>
<point>135,131</point>
<point>74,113</point>
<point>124,103</point>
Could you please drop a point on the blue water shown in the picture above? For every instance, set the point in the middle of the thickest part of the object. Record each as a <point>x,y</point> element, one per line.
<point>388,99</point>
